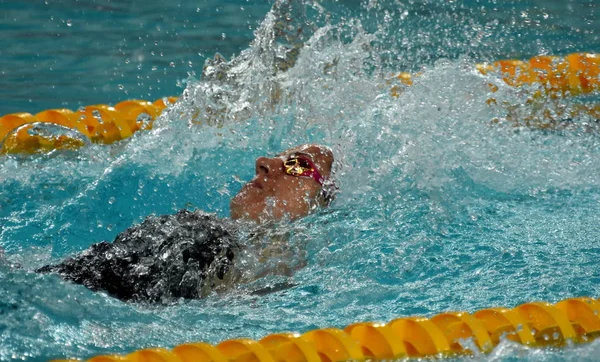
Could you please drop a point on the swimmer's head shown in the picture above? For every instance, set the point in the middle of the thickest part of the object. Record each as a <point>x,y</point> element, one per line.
<point>289,185</point>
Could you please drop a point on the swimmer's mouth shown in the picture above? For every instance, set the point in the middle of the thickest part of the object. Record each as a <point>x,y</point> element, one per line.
<point>257,184</point>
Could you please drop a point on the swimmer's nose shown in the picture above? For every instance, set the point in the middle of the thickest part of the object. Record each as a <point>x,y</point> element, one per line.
<point>269,166</point>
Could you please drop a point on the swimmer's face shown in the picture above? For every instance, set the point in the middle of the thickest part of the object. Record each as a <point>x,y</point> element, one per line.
<point>273,194</point>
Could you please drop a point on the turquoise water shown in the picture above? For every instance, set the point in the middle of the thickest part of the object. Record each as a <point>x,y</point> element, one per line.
<point>440,208</point>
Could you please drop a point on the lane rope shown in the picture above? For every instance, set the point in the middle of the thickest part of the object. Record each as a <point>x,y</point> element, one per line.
<point>449,334</point>
<point>574,74</point>
<point>549,79</point>
<point>24,133</point>
<point>58,129</point>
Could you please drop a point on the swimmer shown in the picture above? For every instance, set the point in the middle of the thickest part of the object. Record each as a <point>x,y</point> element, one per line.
<point>192,253</point>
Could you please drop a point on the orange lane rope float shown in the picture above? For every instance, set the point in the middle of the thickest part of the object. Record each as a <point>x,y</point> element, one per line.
<point>27,133</point>
<point>574,74</point>
<point>550,78</point>
<point>24,133</point>
<point>535,324</point>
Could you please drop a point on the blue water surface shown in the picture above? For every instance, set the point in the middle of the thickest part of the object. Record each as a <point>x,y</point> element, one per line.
<point>447,201</point>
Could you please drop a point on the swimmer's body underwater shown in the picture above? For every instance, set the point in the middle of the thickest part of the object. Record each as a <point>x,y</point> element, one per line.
<point>190,254</point>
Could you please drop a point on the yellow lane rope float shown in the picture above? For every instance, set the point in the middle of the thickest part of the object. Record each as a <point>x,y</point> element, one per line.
<point>20,133</point>
<point>535,324</point>
<point>550,77</point>
<point>577,73</point>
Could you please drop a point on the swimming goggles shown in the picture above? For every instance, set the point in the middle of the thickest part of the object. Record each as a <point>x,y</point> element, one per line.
<point>297,165</point>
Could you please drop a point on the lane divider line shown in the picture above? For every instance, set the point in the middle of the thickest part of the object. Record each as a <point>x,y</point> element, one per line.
<point>449,334</point>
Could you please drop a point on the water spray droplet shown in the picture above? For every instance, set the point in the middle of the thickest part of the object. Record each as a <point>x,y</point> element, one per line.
<point>96,114</point>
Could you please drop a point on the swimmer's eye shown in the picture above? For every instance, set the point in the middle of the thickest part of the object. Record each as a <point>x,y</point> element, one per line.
<point>298,166</point>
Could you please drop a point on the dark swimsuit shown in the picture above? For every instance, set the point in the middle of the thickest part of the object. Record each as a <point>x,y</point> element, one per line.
<point>163,259</point>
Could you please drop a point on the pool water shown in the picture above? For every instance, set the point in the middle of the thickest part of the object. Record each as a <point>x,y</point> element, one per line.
<point>444,204</point>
